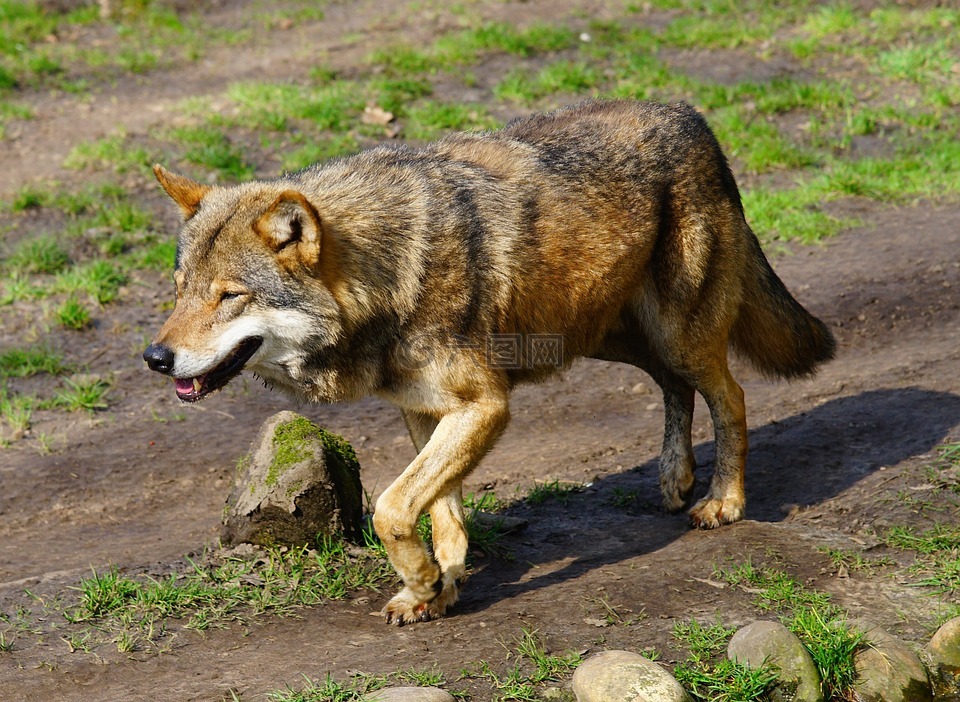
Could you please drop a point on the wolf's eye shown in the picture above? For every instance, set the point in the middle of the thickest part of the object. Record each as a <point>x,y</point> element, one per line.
<point>226,295</point>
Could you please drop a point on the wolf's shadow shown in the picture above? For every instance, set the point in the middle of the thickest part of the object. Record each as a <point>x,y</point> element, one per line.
<point>802,460</point>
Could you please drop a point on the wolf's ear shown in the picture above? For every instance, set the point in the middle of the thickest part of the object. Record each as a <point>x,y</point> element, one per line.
<point>291,223</point>
<point>185,192</point>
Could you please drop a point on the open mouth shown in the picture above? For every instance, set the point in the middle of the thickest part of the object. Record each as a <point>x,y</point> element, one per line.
<point>193,389</point>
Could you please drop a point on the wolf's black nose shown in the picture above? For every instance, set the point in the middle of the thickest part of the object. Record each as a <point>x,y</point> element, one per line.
<point>159,358</point>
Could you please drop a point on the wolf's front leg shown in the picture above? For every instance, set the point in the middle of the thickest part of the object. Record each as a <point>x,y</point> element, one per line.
<point>450,543</point>
<point>461,439</point>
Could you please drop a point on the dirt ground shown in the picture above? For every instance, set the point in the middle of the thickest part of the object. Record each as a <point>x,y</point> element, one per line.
<point>140,487</point>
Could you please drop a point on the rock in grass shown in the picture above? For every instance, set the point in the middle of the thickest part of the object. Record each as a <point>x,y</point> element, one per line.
<point>888,670</point>
<point>298,481</point>
<point>944,647</point>
<point>622,676</point>
<point>944,654</point>
<point>774,644</point>
<point>410,694</point>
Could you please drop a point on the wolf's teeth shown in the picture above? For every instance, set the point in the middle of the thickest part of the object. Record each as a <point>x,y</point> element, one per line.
<point>196,385</point>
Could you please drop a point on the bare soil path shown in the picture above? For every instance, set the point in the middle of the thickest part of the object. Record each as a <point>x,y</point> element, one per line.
<point>141,486</point>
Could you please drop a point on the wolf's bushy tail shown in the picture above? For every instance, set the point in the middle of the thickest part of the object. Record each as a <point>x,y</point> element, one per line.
<point>773,331</point>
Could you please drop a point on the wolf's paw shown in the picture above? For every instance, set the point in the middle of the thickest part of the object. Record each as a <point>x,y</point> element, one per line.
<point>710,512</point>
<point>407,608</point>
<point>676,493</point>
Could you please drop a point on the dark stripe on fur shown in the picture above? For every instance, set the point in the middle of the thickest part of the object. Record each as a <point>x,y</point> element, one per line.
<point>478,259</point>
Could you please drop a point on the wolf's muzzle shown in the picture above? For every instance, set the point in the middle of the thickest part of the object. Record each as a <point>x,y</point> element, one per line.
<point>159,358</point>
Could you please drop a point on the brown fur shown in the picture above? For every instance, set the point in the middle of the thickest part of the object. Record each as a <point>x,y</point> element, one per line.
<point>614,226</point>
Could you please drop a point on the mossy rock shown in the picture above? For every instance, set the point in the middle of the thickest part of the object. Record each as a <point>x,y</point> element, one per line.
<point>771,643</point>
<point>298,482</point>
<point>887,669</point>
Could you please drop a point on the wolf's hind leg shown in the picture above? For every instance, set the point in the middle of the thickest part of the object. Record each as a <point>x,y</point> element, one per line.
<point>421,427</point>
<point>450,543</point>
<point>631,345</point>
<point>677,462</point>
<point>725,500</point>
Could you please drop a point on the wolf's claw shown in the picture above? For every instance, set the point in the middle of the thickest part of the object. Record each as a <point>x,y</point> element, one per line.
<point>405,609</point>
<point>709,513</point>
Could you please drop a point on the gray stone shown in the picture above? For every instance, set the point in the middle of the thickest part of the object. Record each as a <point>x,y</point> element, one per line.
<point>297,482</point>
<point>944,647</point>
<point>773,643</point>
<point>410,694</point>
<point>500,523</point>
<point>622,676</point>
<point>944,654</point>
<point>888,670</point>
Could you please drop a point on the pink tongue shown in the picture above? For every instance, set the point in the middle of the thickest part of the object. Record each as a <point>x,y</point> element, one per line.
<point>184,386</point>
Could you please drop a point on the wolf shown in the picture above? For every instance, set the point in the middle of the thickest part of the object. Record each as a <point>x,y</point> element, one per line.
<point>440,277</point>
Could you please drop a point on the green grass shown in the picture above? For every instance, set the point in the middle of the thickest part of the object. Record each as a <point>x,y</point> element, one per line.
<point>431,119</point>
<point>104,236</point>
<point>27,361</point>
<point>213,149</point>
<point>16,411</point>
<point>715,32</point>
<point>83,394</point>
<point>818,623</point>
<point>114,152</point>
<point>936,551</point>
<point>329,690</point>
<point>854,561</point>
<point>534,667</point>
<point>547,667</point>
<point>395,94</point>
<point>276,106</point>
<point>757,143</point>
<point>279,581</point>
<point>317,150</point>
<point>949,455</point>
<point>562,76</point>
<point>467,46</point>
<point>43,254</point>
<point>73,314</point>
<point>144,35</point>
<point>28,197</point>
<point>10,111</point>
<point>727,681</point>
<point>708,675</point>
<point>100,279</point>
<point>154,253</point>
<point>359,687</point>
<point>470,46</point>
<point>553,489</point>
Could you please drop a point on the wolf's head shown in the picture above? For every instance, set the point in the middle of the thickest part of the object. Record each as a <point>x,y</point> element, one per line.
<point>249,286</point>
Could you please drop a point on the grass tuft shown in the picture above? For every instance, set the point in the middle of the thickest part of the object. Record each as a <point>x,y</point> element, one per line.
<point>225,588</point>
<point>937,552</point>
<point>329,690</point>
<point>534,666</point>
<point>820,625</point>
<point>83,394</point>
<point>210,148</point>
<point>431,119</point>
<point>73,314</point>
<point>553,489</point>
<point>113,152</point>
<point>43,254</point>
<point>30,360</point>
